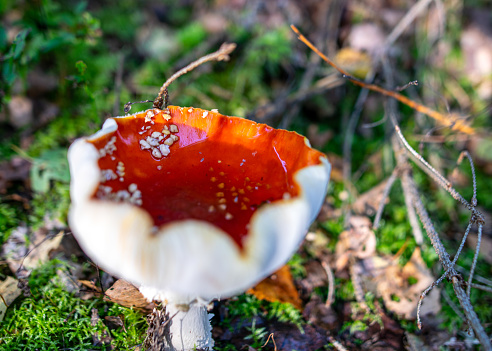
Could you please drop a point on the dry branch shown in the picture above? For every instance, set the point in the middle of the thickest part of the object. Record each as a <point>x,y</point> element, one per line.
<point>220,55</point>
<point>452,121</point>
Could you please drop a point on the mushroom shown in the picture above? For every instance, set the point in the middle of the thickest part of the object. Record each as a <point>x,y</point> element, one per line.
<point>191,205</point>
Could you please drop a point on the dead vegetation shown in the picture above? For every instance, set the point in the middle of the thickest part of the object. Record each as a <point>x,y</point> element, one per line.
<point>365,276</point>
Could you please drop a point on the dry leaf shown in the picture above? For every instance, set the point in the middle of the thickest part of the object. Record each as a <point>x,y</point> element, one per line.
<point>67,281</point>
<point>90,285</point>
<point>9,291</point>
<point>358,241</point>
<point>356,62</point>
<point>126,294</point>
<point>368,202</point>
<point>401,294</point>
<point>116,321</point>
<point>19,256</point>
<point>41,249</point>
<point>278,287</point>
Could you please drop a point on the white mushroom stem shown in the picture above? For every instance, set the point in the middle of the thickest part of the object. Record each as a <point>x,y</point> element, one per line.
<point>189,327</point>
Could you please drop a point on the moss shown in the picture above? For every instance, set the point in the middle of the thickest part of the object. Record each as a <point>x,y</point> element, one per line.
<point>53,319</point>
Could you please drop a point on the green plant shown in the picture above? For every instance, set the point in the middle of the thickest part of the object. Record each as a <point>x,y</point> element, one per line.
<point>257,335</point>
<point>52,318</point>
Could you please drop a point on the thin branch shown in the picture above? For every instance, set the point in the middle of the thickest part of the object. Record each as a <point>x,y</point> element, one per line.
<point>220,55</point>
<point>411,214</point>
<point>409,17</point>
<point>336,344</point>
<point>456,279</point>
<point>455,123</point>
<point>452,304</point>
<point>387,189</point>
<point>413,82</point>
<point>481,287</point>
<point>474,177</point>
<point>273,340</point>
<point>331,284</point>
<point>476,277</point>
<point>451,121</point>
<point>477,217</point>
<point>475,259</point>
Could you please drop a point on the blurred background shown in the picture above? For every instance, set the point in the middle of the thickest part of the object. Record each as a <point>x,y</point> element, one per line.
<point>66,66</point>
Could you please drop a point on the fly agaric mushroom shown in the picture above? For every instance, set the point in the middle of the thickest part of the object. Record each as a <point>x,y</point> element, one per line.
<point>191,205</point>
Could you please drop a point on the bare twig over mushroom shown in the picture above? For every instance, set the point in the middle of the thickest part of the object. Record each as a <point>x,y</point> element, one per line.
<point>220,55</point>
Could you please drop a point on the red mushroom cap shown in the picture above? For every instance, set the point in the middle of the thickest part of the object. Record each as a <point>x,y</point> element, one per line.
<point>192,201</point>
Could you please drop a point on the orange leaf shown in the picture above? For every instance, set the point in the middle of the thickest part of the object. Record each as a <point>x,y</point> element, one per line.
<point>278,287</point>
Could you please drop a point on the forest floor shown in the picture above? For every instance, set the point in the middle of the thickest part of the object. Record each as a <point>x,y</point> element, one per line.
<point>356,281</point>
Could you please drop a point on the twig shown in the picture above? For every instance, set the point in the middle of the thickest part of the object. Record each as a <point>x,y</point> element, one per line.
<point>409,17</point>
<point>331,284</point>
<point>477,217</point>
<point>414,83</point>
<point>475,259</point>
<point>220,55</point>
<point>476,277</point>
<point>451,121</point>
<point>336,344</point>
<point>456,279</point>
<point>460,159</point>
<point>273,340</point>
<point>411,214</point>
<point>481,287</point>
<point>387,189</point>
<point>452,305</point>
<point>354,117</point>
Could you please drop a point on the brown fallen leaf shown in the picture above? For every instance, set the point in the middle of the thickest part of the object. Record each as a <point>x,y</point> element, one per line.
<point>20,258</point>
<point>358,241</point>
<point>400,288</point>
<point>126,294</point>
<point>103,338</point>
<point>9,291</point>
<point>367,203</point>
<point>278,287</point>
<point>115,321</point>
